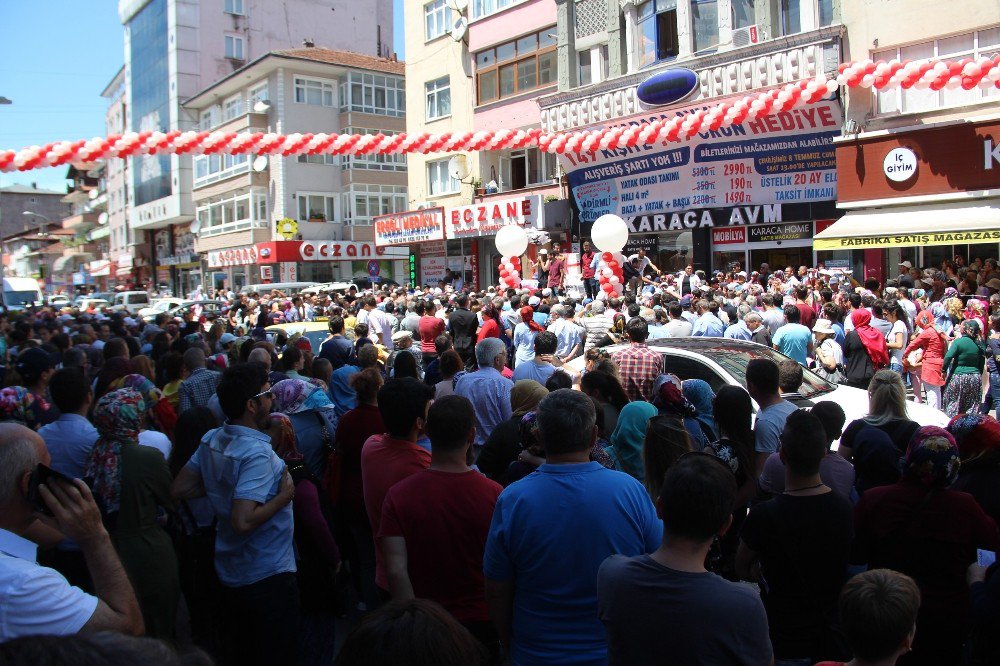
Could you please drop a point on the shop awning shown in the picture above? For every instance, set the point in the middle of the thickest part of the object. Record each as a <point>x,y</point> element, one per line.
<point>904,226</point>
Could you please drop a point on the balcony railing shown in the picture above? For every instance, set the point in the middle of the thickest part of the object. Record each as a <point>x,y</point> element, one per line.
<point>232,227</point>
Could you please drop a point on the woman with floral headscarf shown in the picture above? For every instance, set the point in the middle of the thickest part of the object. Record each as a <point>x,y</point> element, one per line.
<point>925,367</point>
<point>17,404</point>
<point>131,483</point>
<point>668,398</point>
<point>964,364</point>
<point>313,416</point>
<point>919,527</point>
<point>161,415</point>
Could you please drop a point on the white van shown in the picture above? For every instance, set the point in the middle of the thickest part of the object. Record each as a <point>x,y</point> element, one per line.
<point>21,293</point>
<point>130,301</point>
<point>287,288</point>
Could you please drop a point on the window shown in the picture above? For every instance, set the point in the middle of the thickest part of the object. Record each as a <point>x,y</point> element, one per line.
<point>257,94</point>
<point>373,93</point>
<point>314,92</point>
<point>525,167</point>
<point>232,212</point>
<point>210,118</point>
<point>232,108</point>
<point>437,19</point>
<point>481,8</point>
<point>743,14</point>
<point>972,45</point>
<point>439,181</point>
<point>791,17</point>
<point>234,47</point>
<point>211,168</point>
<point>329,160</point>
<point>583,71</point>
<point>438,98</point>
<point>317,207</point>
<point>364,202</point>
<point>705,24</point>
<point>658,31</point>
<point>825,12</point>
<point>234,7</point>
<point>516,67</point>
<point>373,162</point>
<point>592,65</point>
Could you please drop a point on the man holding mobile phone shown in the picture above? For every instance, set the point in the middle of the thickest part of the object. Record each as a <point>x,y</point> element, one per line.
<point>38,600</point>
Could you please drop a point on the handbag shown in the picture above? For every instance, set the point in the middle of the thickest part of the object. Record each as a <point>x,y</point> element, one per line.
<point>915,358</point>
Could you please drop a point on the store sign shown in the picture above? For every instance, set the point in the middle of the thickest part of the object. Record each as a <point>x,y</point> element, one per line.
<point>346,251</point>
<point>900,165</point>
<point>416,226</point>
<point>100,268</point>
<point>780,158</point>
<point>486,218</point>
<point>433,269</point>
<point>706,217</point>
<point>770,233</point>
<point>729,236</point>
<point>266,273</point>
<point>946,159</point>
<point>906,240</point>
<point>640,242</point>
<point>234,256</point>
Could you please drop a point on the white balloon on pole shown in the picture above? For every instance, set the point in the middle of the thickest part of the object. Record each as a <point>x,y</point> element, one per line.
<point>512,240</point>
<point>609,234</point>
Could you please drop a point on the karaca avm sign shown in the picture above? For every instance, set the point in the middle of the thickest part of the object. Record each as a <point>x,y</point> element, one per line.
<point>415,226</point>
<point>486,218</point>
<point>906,240</point>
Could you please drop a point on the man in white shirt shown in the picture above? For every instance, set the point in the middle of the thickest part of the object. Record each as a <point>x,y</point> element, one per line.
<point>38,600</point>
<point>643,261</point>
<point>678,326</point>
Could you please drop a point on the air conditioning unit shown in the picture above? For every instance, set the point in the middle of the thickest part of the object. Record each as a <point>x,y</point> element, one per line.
<point>751,34</point>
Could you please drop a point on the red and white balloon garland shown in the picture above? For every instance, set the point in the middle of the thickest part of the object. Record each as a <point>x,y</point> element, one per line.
<point>967,73</point>
<point>609,272</point>
<point>510,272</point>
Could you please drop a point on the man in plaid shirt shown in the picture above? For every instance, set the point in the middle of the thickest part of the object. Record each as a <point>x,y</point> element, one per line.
<point>638,365</point>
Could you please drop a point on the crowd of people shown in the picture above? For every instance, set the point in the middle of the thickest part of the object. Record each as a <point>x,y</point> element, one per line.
<point>508,476</point>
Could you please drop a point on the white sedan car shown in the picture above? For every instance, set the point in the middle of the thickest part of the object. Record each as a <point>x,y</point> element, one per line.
<point>721,361</point>
<point>157,306</point>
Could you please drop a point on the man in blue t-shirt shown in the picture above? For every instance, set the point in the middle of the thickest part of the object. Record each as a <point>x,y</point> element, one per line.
<point>541,563</point>
<point>793,339</point>
<point>250,491</point>
<point>336,349</point>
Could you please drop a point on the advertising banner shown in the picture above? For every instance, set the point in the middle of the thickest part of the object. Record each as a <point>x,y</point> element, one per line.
<point>432,269</point>
<point>486,218</point>
<point>906,240</point>
<point>787,157</point>
<point>768,233</point>
<point>234,256</point>
<point>415,226</point>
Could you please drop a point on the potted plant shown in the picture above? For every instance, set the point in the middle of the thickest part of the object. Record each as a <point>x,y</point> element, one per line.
<point>477,185</point>
<point>315,216</point>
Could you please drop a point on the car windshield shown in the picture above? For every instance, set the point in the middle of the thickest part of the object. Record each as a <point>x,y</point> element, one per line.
<point>20,297</point>
<point>734,361</point>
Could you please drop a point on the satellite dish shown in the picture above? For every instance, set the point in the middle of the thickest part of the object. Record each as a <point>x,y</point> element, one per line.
<point>459,28</point>
<point>458,168</point>
<point>458,5</point>
<point>262,106</point>
<point>259,163</point>
<point>195,225</point>
<point>102,218</point>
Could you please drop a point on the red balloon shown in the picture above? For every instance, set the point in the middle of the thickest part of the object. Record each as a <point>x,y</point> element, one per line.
<point>607,256</point>
<point>516,261</point>
<point>608,287</point>
<point>613,264</point>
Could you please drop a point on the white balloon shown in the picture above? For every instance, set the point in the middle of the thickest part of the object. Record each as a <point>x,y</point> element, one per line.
<point>609,234</point>
<point>614,279</point>
<point>512,240</point>
<point>607,272</point>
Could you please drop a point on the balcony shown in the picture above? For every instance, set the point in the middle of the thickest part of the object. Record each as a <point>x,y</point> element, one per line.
<point>241,118</point>
<point>81,222</point>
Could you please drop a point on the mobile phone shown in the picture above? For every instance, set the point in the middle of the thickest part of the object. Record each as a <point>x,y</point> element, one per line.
<point>985,557</point>
<point>43,474</point>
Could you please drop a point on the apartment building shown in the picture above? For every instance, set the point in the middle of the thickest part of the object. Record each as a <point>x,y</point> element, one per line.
<point>918,170</point>
<point>176,48</point>
<point>307,217</point>
<point>713,200</point>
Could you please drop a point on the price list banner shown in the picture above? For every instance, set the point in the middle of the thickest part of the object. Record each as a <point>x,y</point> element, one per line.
<point>787,157</point>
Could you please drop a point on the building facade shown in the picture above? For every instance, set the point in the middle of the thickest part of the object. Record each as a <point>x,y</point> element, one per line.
<point>174,49</point>
<point>250,210</point>
<point>918,170</point>
<point>743,194</point>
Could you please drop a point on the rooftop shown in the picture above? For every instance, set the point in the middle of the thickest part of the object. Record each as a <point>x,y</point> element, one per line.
<point>28,189</point>
<point>344,58</point>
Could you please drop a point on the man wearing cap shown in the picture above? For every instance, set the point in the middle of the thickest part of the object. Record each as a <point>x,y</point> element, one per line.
<point>403,341</point>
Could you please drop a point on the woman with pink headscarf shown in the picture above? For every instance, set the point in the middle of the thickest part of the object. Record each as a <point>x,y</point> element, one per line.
<point>926,367</point>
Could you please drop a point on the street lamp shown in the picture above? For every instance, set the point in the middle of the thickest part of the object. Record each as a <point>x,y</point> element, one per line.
<point>42,230</point>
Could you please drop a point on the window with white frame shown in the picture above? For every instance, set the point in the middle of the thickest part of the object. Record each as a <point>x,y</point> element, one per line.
<point>481,8</point>
<point>437,19</point>
<point>317,207</point>
<point>525,167</point>
<point>793,11</point>
<point>313,91</point>
<point>234,7</point>
<point>439,181</point>
<point>704,24</point>
<point>329,160</point>
<point>235,211</point>
<point>438,94</point>
<point>210,118</point>
<point>364,202</point>
<point>373,162</point>
<point>657,31</point>
<point>234,47</point>
<point>258,94</point>
<point>971,45</point>
<point>232,108</point>
<point>211,168</point>
<point>378,94</point>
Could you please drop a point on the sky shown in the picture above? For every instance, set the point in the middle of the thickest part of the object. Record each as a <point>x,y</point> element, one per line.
<point>55,78</point>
